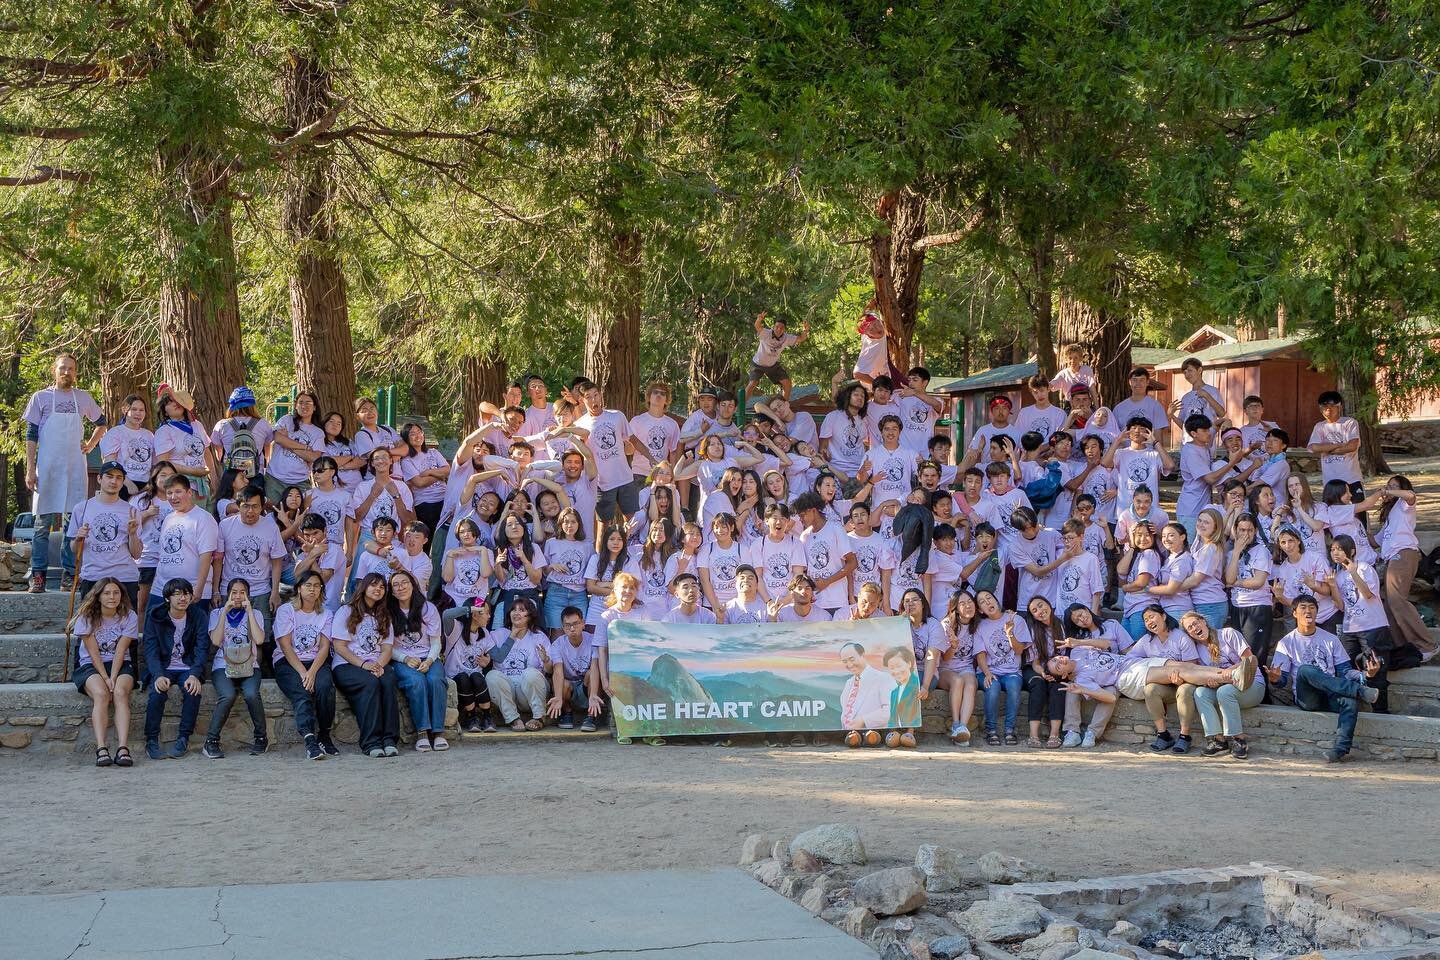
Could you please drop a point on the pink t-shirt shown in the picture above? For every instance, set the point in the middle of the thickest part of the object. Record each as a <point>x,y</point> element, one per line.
<point>417,643</point>
<point>107,548</point>
<point>286,465</point>
<point>657,437</point>
<point>608,432</point>
<point>108,633</point>
<point>183,538</point>
<point>365,641</point>
<point>304,630</point>
<point>413,466</point>
<point>990,639</point>
<point>134,449</point>
<point>248,550</point>
<point>384,504</point>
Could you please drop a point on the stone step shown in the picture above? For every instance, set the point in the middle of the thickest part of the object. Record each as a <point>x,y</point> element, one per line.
<point>22,612</point>
<point>32,657</point>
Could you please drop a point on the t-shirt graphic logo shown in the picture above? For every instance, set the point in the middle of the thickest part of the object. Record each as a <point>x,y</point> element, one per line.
<point>894,471</point>
<point>194,447</point>
<point>819,555</point>
<point>604,437</point>
<point>573,566</point>
<point>172,542</point>
<point>1139,472</point>
<point>306,640</point>
<point>105,529</point>
<point>138,455</point>
<point>247,552</point>
<point>65,405</point>
<point>1071,580</point>
<point>777,569</point>
<point>725,567</point>
<point>330,510</point>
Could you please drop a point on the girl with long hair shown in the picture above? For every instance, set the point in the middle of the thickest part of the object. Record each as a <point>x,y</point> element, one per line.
<point>297,440</point>
<point>153,508</point>
<point>301,663</point>
<point>519,566</point>
<point>999,649</point>
<point>105,664</point>
<point>566,555</point>
<point>1252,602</point>
<point>362,643</point>
<point>426,472</point>
<point>1220,707</point>
<point>1400,554</point>
<point>467,656</point>
<point>956,664</point>
<point>653,567</point>
<point>415,624</point>
<point>131,444</point>
<point>1042,690</point>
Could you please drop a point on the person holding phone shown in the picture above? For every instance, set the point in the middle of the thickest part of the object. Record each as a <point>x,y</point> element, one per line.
<point>236,633</point>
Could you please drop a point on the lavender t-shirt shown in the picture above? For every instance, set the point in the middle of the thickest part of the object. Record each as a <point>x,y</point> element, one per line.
<point>304,629</point>
<point>990,639</point>
<point>364,641</point>
<point>107,548</point>
<point>608,432</point>
<point>248,550</point>
<point>107,635</point>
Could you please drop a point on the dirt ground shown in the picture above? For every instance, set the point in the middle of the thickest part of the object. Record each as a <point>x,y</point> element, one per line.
<point>495,808</point>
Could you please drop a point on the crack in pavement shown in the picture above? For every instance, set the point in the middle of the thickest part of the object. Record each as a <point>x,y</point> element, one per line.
<point>85,937</point>
<point>614,950</point>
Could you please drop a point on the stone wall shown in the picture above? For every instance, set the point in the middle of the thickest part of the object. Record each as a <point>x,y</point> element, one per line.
<point>1419,437</point>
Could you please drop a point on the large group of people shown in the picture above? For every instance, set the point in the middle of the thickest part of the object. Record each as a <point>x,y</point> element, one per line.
<point>336,553</point>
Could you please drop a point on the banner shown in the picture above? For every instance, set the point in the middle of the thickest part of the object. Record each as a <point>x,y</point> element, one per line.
<point>677,679</point>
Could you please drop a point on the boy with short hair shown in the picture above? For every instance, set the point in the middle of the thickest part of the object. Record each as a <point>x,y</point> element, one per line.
<point>1336,440</point>
<point>1082,573</point>
<point>888,467</point>
<point>1138,460</point>
<point>1200,398</point>
<point>1255,428</point>
<point>688,610</point>
<point>1141,404</point>
<point>1198,472</point>
<point>882,404</point>
<point>918,411</point>
<point>979,451</point>
<point>1073,372</point>
<point>941,450</point>
<point>798,605</point>
<point>1274,469</point>
<point>772,343</point>
<point>654,433</point>
<point>575,674</point>
<point>1042,416</point>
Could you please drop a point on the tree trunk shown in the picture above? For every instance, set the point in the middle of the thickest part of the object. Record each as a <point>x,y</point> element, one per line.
<point>319,310</point>
<point>612,329</point>
<point>896,268</point>
<point>1104,331</point>
<point>1280,320</point>
<point>711,361</point>
<point>1248,329</point>
<point>200,347</point>
<point>1355,378</point>
<point>1042,300</point>
<point>420,390</point>
<point>124,369</point>
<point>481,378</point>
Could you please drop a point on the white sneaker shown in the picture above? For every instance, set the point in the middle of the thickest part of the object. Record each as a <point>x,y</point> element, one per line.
<point>439,743</point>
<point>1072,739</point>
<point>1088,740</point>
<point>422,745</point>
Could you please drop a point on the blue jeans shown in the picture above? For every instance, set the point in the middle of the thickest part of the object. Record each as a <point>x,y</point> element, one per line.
<point>1317,690</point>
<point>155,707</point>
<point>1134,624</point>
<point>1214,613</point>
<point>425,692</point>
<point>1009,684</point>
<point>557,598</point>
<point>40,546</point>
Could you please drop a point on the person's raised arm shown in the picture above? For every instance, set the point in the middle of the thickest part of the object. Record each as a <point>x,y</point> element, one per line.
<point>1108,460</point>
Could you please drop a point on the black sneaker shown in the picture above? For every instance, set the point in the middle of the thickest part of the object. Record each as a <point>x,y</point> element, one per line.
<point>259,746</point>
<point>1162,742</point>
<point>328,746</point>
<point>1336,756</point>
<point>489,725</point>
<point>1239,749</point>
<point>471,725</point>
<point>178,748</point>
<point>312,748</point>
<point>1182,743</point>
<point>587,725</point>
<point>1214,746</point>
<point>211,750</point>
<point>152,749</point>
<point>567,722</point>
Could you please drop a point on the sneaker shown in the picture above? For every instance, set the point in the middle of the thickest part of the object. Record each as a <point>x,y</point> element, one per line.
<point>37,584</point>
<point>963,737</point>
<point>211,750</point>
<point>1239,749</point>
<point>1244,673</point>
<point>312,748</point>
<point>1072,739</point>
<point>152,749</point>
<point>1335,756</point>
<point>390,750</point>
<point>178,748</point>
<point>567,722</point>
<point>1369,694</point>
<point>1182,743</point>
<point>439,743</point>
<point>67,580</point>
<point>490,726</point>
<point>259,745</point>
<point>1162,742</point>
<point>375,753</point>
<point>1214,746</point>
<point>471,725</point>
<point>1087,741</point>
<point>328,746</point>
<point>955,729</point>
<point>587,725</point>
<point>422,745</point>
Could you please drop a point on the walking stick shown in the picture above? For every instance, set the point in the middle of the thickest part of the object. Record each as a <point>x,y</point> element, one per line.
<point>70,609</point>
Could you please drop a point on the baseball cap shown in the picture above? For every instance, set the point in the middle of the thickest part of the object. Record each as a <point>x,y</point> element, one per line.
<point>707,392</point>
<point>109,465</point>
<point>1078,389</point>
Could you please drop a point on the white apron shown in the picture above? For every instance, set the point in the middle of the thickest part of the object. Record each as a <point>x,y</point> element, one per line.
<point>59,464</point>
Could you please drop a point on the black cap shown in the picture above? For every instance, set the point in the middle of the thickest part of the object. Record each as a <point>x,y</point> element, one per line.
<point>707,392</point>
<point>109,465</point>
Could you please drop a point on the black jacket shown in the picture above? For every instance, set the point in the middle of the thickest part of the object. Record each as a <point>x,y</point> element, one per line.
<point>160,641</point>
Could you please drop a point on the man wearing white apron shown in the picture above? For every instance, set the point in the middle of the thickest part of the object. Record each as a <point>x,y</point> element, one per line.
<point>55,448</point>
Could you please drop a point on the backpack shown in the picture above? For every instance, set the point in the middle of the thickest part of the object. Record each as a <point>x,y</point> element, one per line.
<point>243,453</point>
<point>1044,491</point>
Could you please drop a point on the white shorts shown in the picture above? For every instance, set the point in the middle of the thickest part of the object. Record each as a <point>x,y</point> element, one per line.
<point>1132,679</point>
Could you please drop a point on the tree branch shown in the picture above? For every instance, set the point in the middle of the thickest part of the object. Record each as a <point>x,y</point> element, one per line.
<point>74,70</point>
<point>45,133</point>
<point>370,131</point>
<point>954,236</point>
<point>296,142</point>
<point>45,175</point>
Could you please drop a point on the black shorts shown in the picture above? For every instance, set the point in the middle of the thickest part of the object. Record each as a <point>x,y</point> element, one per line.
<point>776,372</point>
<point>626,497</point>
<point>87,670</point>
<point>147,575</point>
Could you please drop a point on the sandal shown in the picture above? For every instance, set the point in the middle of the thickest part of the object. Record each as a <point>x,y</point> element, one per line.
<point>1033,742</point>
<point>123,758</point>
<point>517,725</point>
<point>992,739</point>
<point>532,724</point>
<point>102,757</point>
<point>1010,739</point>
<point>1053,743</point>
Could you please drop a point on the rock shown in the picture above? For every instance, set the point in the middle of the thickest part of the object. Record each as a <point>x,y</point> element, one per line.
<point>918,948</point>
<point>1187,949</point>
<point>1001,921</point>
<point>791,887</point>
<point>859,923</point>
<point>952,947</point>
<point>1059,951</point>
<point>816,897</point>
<point>15,740</point>
<point>780,850</point>
<point>804,862</point>
<point>903,925</point>
<point>1090,954</point>
<point>889,892</point>
<point>999,868</point>
<point>942,866</point>
<point>1056,933</point>
<point>769,872</point>
<point>755,848</point>
<point>831,843</point>
<point>834,914</point>
<point>1125,932</point>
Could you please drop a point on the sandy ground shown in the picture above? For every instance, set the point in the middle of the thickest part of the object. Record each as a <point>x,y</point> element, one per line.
<point>496,808</point>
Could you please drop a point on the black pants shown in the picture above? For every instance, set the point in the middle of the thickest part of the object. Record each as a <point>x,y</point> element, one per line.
<point>1382,644</point>
<point>314,712</point>
<point>374,701</point>
<point>473,694</point>
<point>429,514</point>
<point>1041,694</point>
<point>1254,623</point>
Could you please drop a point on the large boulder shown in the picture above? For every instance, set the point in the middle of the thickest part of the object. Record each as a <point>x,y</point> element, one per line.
<point>998,868</point>
<point>1001,921</point>
<point>890,892</point>
<point>943,867</point>
<point>832,843</point>
<point>859,923</point>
